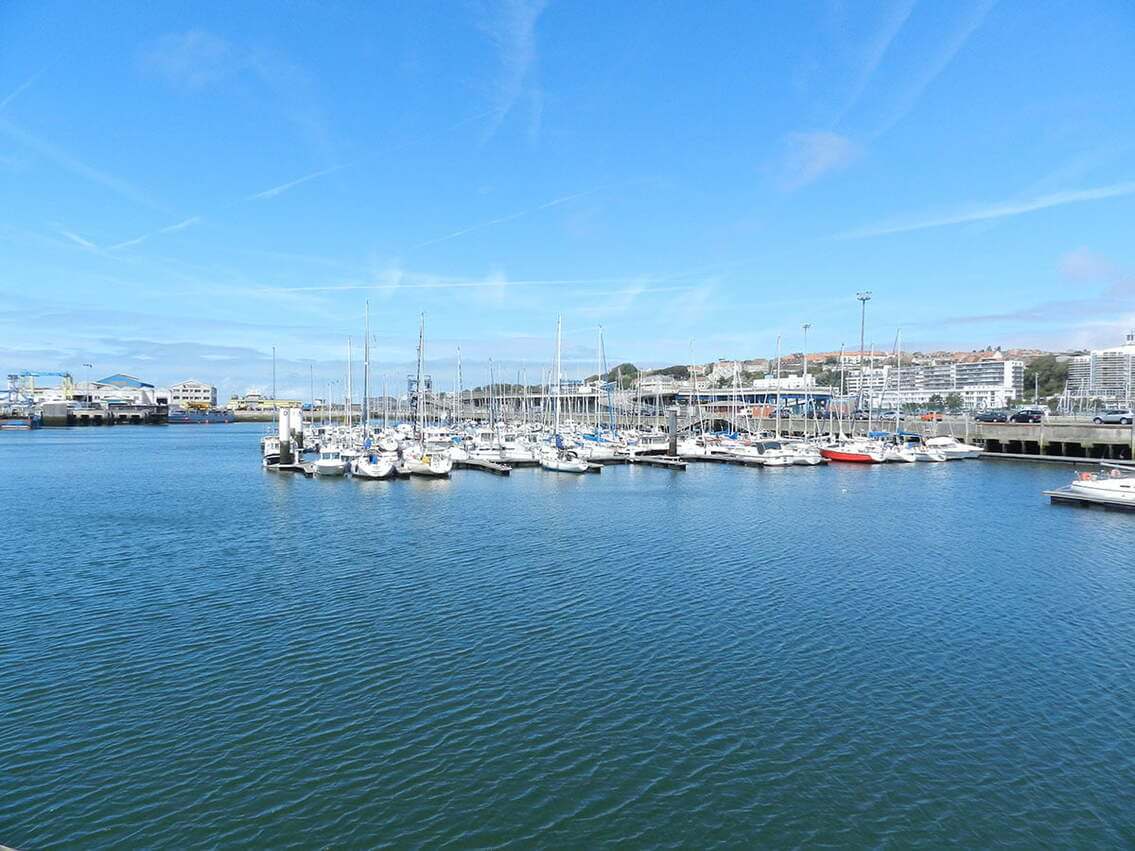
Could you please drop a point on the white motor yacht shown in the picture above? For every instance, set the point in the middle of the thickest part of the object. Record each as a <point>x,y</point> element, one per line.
<point>953,448</point>
<point>1116,486</point>
<point>330,463</point>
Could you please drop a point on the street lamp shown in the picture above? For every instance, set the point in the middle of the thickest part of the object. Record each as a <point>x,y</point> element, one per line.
<point>89,366</point>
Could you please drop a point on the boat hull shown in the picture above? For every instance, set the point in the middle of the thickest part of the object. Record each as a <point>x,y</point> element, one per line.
<point>850,456</point>
<point>381,468</point>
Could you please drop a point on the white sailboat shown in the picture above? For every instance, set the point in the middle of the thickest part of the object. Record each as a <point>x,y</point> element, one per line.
<point>555,456</point>
<point>374,465</point>
<point>419,458</point>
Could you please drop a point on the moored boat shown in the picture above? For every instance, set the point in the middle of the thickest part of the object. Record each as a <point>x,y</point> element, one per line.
<point>854,452</point>
<point>373,466</point>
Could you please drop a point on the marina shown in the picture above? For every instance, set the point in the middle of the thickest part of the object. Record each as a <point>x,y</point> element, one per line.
<point>661,635</point>
<point>542,425</point>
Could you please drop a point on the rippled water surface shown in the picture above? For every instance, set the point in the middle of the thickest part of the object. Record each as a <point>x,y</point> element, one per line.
<point>194,652</point>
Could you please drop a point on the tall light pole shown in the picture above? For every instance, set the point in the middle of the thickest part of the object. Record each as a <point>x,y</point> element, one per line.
<point>863,297</point>
<point>88,366</point>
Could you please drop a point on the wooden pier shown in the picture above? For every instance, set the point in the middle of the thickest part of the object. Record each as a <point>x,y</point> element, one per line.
<point>481,464</point>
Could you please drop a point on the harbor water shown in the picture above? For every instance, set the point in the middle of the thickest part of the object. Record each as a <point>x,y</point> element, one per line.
<point>195,652</point>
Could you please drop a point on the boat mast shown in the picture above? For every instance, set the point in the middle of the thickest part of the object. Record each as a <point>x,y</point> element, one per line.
<point>778,387</point>
<point>599,379</point>
<point>420,407</point>
<point>898,377</point>
<point>556,370</point>
<point>347,400</point>
<point>366,368</point>
<point>807,325</point>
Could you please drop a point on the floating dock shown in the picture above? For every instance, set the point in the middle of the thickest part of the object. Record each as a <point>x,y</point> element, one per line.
<point>668,461</point>
<point>481,464</point>
<point>1067,496</point>
<point>307,468</point>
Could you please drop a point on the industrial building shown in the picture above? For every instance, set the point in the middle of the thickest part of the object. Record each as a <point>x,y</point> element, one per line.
<point>192,393</point>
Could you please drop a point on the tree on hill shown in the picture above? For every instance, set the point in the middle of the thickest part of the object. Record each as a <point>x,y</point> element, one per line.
<point>1046,374</point>
<point>677,371</point>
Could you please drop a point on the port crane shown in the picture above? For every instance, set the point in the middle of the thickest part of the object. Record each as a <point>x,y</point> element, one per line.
<point>21,385</point>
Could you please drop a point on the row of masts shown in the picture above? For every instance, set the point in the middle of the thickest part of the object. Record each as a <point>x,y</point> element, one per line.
<point>550,390</point>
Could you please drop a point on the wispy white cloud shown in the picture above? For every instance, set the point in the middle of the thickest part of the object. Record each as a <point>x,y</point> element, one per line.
<point>19,90</point>
<point>949,48</point>
<point>196,60</point>
<point>174,228</point>
<point>511,26</point>
<point>399,280</point>
<point>1083,264</point>
<point>192,60</point>
<point>66,161</point>
<point>874,53</point>
<point>555,202</point>
<point>809,156</point>
<point>78,240</point>
<point>291,184</point>
<point>999,210</point>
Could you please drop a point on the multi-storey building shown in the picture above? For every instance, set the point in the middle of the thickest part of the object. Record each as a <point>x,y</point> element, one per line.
<point>193,394</point>
<point>1106,374</point>
<point>990,383</point>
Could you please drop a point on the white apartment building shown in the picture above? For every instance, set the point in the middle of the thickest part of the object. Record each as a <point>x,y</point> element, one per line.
<point>193,393</point>
<point>990,383</point>
<point>1107,374</point>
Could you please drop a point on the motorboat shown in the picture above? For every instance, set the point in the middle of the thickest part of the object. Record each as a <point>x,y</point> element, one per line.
<point>694,447</point>
<point>330,463</point>
<point>1115,486</point>
<point>922,452</point>
<point>897,452</point>
<point>805,454</point>
<point>270,450</point>
<point>953,448</point>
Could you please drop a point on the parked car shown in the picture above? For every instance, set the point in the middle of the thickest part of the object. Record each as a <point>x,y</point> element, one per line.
<point>895,416</point>
<point>1027,415</point>
<point>992,417</point>
<point>932,417</point>
<point>1114,416</point>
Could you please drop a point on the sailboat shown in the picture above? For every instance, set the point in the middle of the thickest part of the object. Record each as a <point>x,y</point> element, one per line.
<point>417,459</point>
<point>556,456</point>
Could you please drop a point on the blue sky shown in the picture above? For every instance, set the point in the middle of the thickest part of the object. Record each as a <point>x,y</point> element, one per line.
<point>183,186</point>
